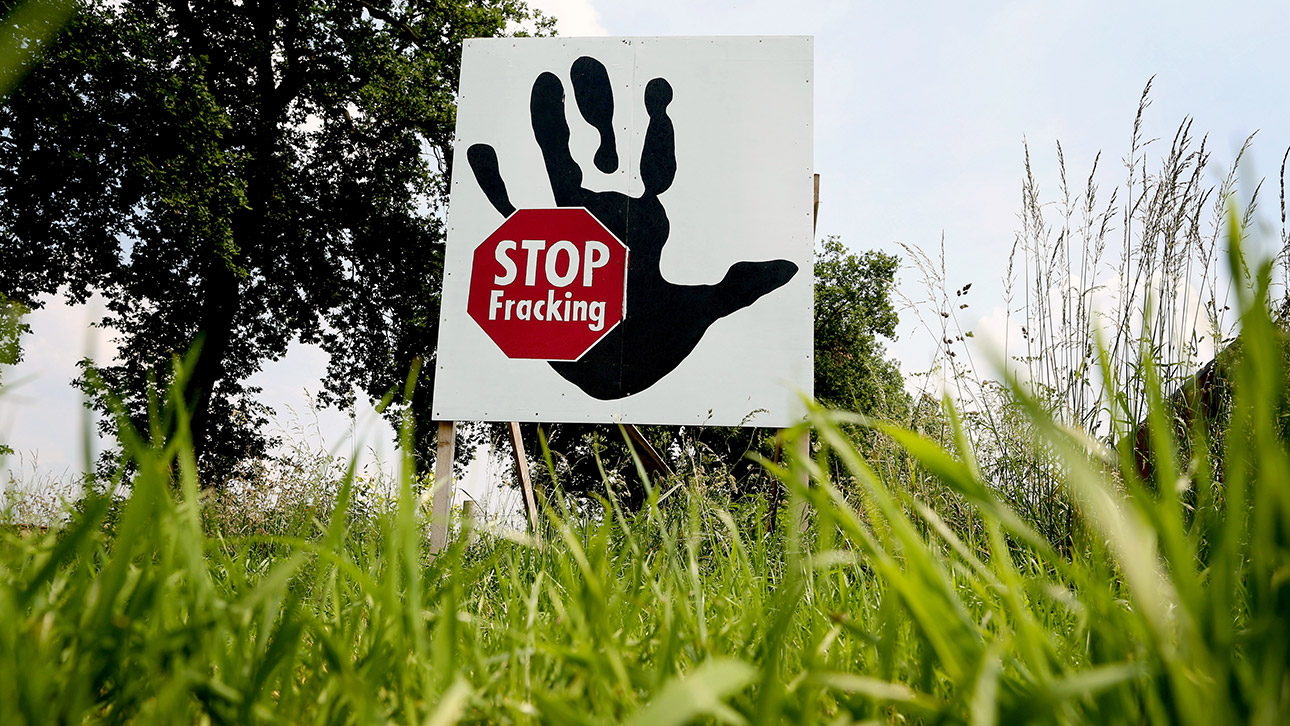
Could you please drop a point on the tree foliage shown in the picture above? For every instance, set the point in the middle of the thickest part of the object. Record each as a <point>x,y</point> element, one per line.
<point>853,308</point>
<point>12,328</point>
<point>236,176</point>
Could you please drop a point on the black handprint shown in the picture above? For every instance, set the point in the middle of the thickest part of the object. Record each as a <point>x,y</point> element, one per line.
<point>664,322</point>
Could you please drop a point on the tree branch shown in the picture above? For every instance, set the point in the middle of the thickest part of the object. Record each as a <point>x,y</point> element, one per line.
<point>404,28</point>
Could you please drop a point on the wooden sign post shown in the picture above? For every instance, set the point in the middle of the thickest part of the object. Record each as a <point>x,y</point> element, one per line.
<point>522,471</point>
<point>441,501</point>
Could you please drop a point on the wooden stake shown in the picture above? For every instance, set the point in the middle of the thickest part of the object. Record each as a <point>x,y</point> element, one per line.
<point>802,449</point>
<point>803,446</point>
<point>441,503</point>
<point>526,483</point>
<point>772,516</point>
<point>469,523</point>
<point>650,457</point>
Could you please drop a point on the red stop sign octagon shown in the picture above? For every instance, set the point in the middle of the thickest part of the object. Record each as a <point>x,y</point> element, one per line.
<point>548,284</point>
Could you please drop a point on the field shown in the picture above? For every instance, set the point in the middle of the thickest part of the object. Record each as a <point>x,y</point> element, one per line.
<point>901,586</point>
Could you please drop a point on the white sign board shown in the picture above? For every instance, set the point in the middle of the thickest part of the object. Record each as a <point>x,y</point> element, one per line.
<point>630,232</point>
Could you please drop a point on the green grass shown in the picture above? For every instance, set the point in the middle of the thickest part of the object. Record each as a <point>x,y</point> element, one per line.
<point>1167,603</point>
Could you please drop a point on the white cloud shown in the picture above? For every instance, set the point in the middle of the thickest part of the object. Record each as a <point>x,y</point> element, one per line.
<point>63,334</point>
<point>997,336</point>
<point>573,17</point>
<point>291,386</point>
<point>41,415</point>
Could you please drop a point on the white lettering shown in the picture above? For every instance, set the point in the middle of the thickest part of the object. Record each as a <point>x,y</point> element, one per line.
<point>533,247</point>
<point>553,311</point>
<point>504,259</point>
<point>570,272</point>
<point>548,309</point>
<point>494,304</point>
<point>597,256</point>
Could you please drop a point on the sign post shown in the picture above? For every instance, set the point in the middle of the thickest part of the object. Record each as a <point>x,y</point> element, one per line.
<point>526,483</point>
<point>441,499</point>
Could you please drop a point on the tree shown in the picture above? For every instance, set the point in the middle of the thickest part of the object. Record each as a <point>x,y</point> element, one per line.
<point>12,328</point>
<point>853,308</point>
<point>237,175</point>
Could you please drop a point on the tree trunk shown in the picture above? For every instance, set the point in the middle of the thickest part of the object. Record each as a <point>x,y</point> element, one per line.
<point>222,288</point>
<point>221,298</point>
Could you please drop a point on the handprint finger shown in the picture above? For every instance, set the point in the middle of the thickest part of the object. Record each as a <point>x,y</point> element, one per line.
<point>596,103</point>
<point>483,161</point>
<point>747,282</point>
<point>551,130</point>
<point>658,158</point>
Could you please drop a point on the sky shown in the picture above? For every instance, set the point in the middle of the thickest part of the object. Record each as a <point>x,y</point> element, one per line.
<point>921,113</point>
